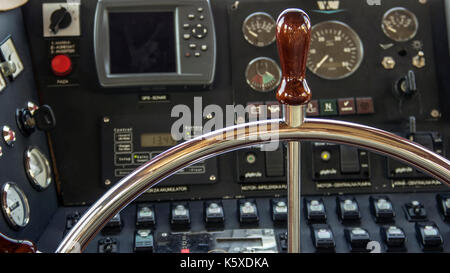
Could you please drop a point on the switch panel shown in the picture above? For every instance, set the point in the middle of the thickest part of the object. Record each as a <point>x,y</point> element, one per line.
<point>358,238</point>
<point>429,236</point>
<point>382,209</point>
<point>279,210</point>
<point>332,162</point>
<point>430,140</point>
<point>145,215</point>
<point>61,19</point>
<point>323,238</point>
<point>394,238</point>
<point>143,241</point>
<point>214,212</point>
<point>248,212</point>
<point>315,210</point>
<point>348,209</point>
<point>180,214</point>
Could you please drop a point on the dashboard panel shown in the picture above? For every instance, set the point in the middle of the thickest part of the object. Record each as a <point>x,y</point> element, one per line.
<point>116,97</point>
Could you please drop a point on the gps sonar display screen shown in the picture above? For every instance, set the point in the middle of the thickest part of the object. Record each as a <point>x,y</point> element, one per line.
<point>142,42</point>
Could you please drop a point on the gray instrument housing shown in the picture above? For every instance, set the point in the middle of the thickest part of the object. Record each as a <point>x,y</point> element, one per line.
<point>190,71</point>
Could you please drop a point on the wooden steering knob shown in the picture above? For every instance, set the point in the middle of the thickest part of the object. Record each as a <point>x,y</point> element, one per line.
<point>293,38</point>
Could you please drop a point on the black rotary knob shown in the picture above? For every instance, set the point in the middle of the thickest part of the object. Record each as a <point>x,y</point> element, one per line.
<point>60,19</point>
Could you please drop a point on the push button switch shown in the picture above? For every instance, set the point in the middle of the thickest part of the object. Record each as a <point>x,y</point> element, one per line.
<point>358,238</point>
<point>429,236</point>
<point>248,212</point>
<point>394,237</point>
<point>382,209</point>
<point>315,210</point>
<point>61,65</point>
<point>415,211</point>
<point>322,237</point>
<point>279,210</point>
<point>348,209</point>
<point>143,241</point>
<point>145,215</point>
<point>444,205</point>
<point>180,215</point>
<point>214,212</point>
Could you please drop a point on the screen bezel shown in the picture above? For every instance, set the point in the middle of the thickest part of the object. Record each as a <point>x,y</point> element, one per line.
<point>102,45</point>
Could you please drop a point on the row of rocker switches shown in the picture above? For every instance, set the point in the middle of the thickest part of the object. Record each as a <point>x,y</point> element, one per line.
<point>180,215</point>
<point>428,233</point>
<point>380,206</point>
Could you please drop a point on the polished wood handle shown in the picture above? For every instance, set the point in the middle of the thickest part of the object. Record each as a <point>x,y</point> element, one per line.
<point>9,245</point>
<point>293,38</point>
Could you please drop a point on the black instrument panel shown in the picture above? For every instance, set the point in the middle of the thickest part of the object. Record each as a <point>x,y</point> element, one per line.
<point>103,133</point>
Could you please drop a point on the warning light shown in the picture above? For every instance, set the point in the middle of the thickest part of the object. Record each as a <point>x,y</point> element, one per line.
<point>325,155</point>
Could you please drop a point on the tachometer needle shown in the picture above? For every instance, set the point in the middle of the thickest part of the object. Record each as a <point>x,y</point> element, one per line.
<point>253,33</point>
<point>319,64</point>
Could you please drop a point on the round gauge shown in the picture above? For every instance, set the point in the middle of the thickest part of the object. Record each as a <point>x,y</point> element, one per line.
<point>335,51</point>
<point>263,74</point>
<point>259,29</point>
<point>399,24</point>
<point>15,205</point>
<point>37,168</point>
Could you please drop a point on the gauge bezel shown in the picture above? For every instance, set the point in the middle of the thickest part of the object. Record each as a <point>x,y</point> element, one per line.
<point>33,180</point>
<point>259,59</point>
<point>250,17</point>
<point>358,44</point>
<point>7,212</point>
<point>407,11</point>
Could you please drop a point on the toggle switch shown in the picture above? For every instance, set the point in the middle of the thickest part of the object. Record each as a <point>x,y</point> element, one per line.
<point>406,85</point>
<point>349,159</point>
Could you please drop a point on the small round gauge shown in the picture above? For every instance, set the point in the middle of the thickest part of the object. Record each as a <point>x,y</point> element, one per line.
<point>259,29</point>
<point>399,24</point>
<point>263,74</point>
<point>37,168</point>
<point>335,52</point>
<point>15,205</point>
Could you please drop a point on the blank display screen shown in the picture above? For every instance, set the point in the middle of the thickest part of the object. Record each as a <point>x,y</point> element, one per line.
<point>142,42</point>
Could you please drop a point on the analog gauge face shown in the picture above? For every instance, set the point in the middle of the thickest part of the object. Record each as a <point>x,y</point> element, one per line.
<point>37,168</point>
<point>15,205</point>
<point>259,29</point>
<point>335,51</point>
<point>263,74</point>
<point>399,24</point>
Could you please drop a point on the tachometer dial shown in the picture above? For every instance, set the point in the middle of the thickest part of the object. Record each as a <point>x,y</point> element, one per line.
<point>399,24</point>
<point>15,205</point>
<point>37,168</point>
<point>336,51</point>
<point>263,74</point>
<point>259,29</point>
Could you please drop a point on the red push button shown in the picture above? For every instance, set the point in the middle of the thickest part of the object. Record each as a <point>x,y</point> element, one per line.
<point>61,65</point>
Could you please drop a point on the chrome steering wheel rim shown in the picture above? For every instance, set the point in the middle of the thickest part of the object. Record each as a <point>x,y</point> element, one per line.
<point>238,137</point>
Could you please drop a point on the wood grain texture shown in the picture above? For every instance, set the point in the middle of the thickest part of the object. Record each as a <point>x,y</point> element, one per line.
<point>293,39</point>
